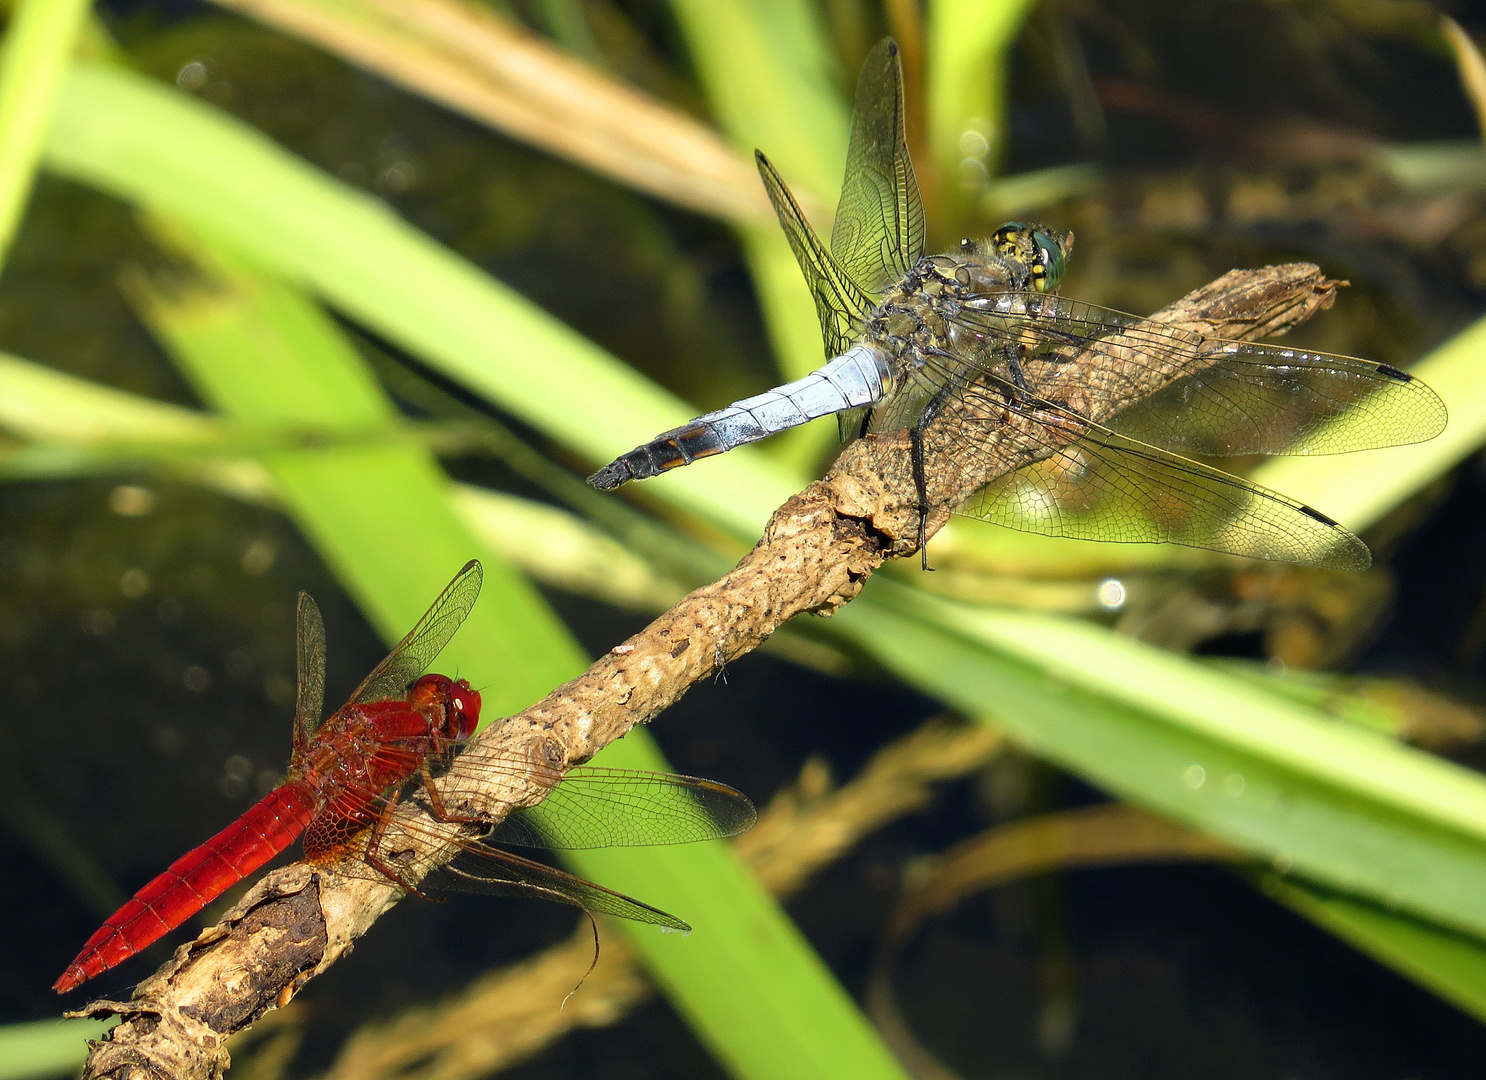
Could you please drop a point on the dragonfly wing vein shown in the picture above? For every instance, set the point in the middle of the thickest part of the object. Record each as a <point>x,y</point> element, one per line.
<point>879,230</point>
<point>1178,390</point>
<point>1102,485</point>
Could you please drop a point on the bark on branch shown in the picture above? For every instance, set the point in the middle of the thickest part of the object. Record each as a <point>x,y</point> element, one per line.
<point>815,555</point>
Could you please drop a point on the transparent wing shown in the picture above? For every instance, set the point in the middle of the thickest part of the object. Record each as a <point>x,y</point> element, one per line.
<point>489,871</point>
<point>477,868</point>
<point>596,807</point>
<point>591,807</point>
<point>1092,483</point>
<point>309,702</point>
<point>412,655</point>
<point>1220,397</point>
<point>588,807</point>
<point>839,302</point>
<point>852,424</point>
<point>879,229</point>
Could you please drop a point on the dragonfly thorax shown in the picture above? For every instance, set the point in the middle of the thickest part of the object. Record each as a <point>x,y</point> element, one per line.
<point>915,316</point>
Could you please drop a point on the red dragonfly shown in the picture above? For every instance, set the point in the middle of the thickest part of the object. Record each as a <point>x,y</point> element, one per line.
<point>347,775</point>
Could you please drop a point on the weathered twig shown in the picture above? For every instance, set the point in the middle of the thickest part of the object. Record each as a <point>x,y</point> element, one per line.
<point>816,553</point>
<point>506,1016</point>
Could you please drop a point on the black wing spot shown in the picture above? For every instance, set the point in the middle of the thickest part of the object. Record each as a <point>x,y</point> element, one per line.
<point>1393,373</point>
<point>1312,512</point>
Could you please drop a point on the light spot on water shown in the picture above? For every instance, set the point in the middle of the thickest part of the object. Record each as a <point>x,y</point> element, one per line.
<point>168,739</point>
<point>236,772</point>
<point>973,173</point>
<point>278,689</point>
<point>192,76</point>
<point>398,177</point>
<point>1234,784</point>
<point>267,780</point>
<point>259,556</point>
<point>1194,776</point>
<point>135,583</point>
<point>128,500</point>
<point>1112,594</point>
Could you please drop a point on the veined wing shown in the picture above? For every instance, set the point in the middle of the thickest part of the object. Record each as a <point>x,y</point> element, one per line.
<point>492,872</point>
<point>839,302</point>
<point>879,229</point>
<point>586,807</point>
<point>595,807</point>
<point>489,871</point>
<point>414,653</point>
<point>309,702</point>
<point>1092,483</point>
<point>1217,397</point>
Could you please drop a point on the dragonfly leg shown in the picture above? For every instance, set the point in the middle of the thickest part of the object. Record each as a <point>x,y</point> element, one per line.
<point>920,478</point>
<point>373,854</point>
<point>436,802</point>
<point>921,487</point>
<point>1014,367</point>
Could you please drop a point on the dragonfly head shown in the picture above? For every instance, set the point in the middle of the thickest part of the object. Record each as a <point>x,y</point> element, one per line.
<point>1043,252</point>
<point>454,703</point>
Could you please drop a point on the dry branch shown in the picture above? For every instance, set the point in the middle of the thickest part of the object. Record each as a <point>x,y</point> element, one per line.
<point>508,1015</point>
<point>815,555</point>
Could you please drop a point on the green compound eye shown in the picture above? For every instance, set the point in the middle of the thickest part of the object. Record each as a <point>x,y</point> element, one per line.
<point>1052,253</point>
<point>1043,253</point>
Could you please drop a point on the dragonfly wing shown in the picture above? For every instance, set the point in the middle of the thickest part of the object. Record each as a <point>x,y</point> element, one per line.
<point>414,653</point>
<point>1262,399</point>
<point>879,229</point>
<point>1096,484</point>
<point>490,871</point>
<point>309,702</point>
<point>839,302</point>
<point>1217,397</point>
<point>852,423</point>
<point>596,807</point>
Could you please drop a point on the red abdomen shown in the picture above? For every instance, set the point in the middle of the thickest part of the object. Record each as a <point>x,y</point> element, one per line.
<point>195,880</point>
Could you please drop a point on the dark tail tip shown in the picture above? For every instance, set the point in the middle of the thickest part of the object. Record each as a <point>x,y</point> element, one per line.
<point>612,476</point>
